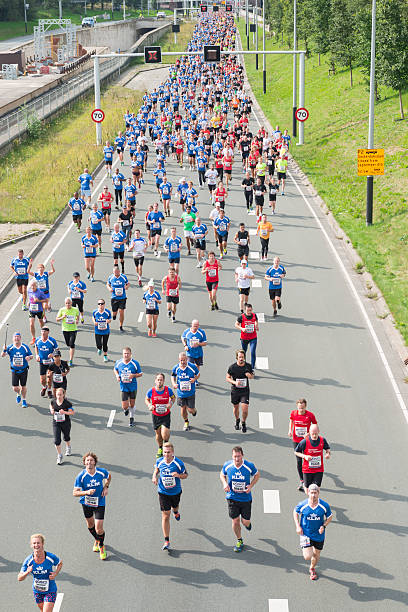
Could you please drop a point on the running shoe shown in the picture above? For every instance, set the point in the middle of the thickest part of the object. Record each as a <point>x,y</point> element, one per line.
<point>131,422</point>
<point>186,426</point>
<point>177,516</point>
<point>105,358</point>
<point>149,333</point>
<point>43,392</point>
<point>284,194</point>
<point>159,453</point>
<point>24,404</point>
<point>279,305</point>
<point>121,329</point>
<point>68,451</point>
<point>92,279</point>
<point>243,427</point>
<point>82,319</point>
<point>102,553</point>
<point>100,250</point>
<point>95,547</point>
<point>173,319</point>
<point>59,459</point>
<point>126,412</point>
<point>44,319</point>
<point>154,335</point>
<point>237,426</point>
<point>275,313</point>
<point>212,307</point>
<point>50,395</point>
<point>24,307</point>
<point>301,486</point>
<point>140,283</point>
<point>169,314</point>
<point>18,399</point>
<point>216,306</point>
<point>32,341</point>
<point>89,276</point>
<point>248,527</point>
<point>195,411</point>
<point>239,546</point>
<point>99,351</point>
<point>70,363</point>
<point>166,546</point>
<point>312,571</point>
<point>78,229</point>
<point>198,265</point>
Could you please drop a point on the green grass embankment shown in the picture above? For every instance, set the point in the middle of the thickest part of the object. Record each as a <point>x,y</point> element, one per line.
<point>39,175</point>
<point>336,128</point>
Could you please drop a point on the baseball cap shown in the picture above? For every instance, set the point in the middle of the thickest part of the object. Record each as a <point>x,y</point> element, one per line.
<point>150,283</point>
<point>76,274</point>
<point>57,353</point>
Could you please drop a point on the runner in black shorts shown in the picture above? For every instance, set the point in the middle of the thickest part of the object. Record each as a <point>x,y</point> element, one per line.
<point>61,410</point>
<point>159,400</point>
<point>58,372</point>
<point>92,486</point>
<point>238,375</point>
<point>242,239</point>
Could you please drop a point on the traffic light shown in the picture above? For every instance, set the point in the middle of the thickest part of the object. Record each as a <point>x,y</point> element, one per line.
<point>212,53</point>
<point>215,8</point>
<point>203,8</point>
<point>152,55</point>
<point>228,8</point>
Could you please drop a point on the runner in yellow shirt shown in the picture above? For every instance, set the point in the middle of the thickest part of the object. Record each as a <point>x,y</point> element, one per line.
<point>69,317</point>
<point>264,229</point>
<point>281,166</point>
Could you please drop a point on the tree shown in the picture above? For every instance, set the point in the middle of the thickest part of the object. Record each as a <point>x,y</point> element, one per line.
<point>319,18</point>
<point>392,45</point>
<point>342,35</point>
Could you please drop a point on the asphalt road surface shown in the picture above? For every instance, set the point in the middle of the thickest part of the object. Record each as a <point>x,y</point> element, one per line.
<point>319,347</point>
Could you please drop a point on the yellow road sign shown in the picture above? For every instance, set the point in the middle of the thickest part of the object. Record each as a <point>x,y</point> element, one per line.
<point>370,162</point>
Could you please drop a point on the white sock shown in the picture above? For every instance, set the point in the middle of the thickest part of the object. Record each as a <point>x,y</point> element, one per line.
<point>131,412</point>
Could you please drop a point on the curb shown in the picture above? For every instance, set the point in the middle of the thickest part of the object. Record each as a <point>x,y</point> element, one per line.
<point>37,248</point>
<point>19,238</point>
<point>379,305</point>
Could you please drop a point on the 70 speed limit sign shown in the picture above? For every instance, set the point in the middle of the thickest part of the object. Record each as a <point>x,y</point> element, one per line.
<point>302,114</point>
<point>97,115</point>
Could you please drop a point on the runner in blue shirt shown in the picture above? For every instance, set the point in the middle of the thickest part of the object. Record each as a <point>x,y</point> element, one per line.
<point>182,189</point>
<point>173,246</point>
<point>86,182</point>
<point>154,219</point>
<point>44,567</point>
<point>120,142</point>
<point>108,151</point>
<point>152,299</point>
<point>130,192</point>
<point>168,472</point>
<point>117,284</point>
<point>199,231</point>
<point>36,301</point>
<point>311,517</point>
<point>274,275</point>
<point>118,240</point>
<point>221,225</point>
<point>42,277</point>
<point>118,180</point>
<point>166,190</point>
<point>92,486</point>
<point>89,243</point>
<point>159,174</point>
<point>21,267</point>
<point>77,206</point>
<point>19,355</point>
<point>102,317</point>
<point>193,339</point>
<point>238,477</point>
<point>77,290</point>
<point>183,377</point>
<point>45,346</point>
<point>95,219</point>
<point>127,371</point>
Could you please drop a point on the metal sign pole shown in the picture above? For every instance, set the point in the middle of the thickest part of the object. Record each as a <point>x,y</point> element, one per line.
<point>263,48</point>
<point>370,179</point>
<point>256,35</point>
<point>97,86</point>
<point>294,120</point>
<point>301,96</point>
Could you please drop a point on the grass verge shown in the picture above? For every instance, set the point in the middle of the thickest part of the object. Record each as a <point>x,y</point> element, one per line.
<point>336,128</point>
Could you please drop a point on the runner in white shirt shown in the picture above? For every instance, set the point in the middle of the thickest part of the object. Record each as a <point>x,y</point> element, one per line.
<point>211,175</point>
<point>213,215</point>
<point>138,245</point>
<point>243,276</point>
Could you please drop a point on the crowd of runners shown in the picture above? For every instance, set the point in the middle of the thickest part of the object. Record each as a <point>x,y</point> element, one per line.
<point>199,121</point>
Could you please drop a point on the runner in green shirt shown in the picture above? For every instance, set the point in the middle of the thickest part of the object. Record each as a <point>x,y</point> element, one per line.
<point>261,168</point>
<point>188,219</point>
<point>69,317</point>
<point>281,165</point>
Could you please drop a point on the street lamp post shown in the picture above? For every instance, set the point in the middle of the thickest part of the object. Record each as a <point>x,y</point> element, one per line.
<point>294,120</point>
<point>247,22</point>
<point>370,179</point>
<point>256,35</point>
<point>263,48</point>
<point>25,14</point>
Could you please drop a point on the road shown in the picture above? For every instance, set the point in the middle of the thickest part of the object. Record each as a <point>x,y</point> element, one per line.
<point>320,347</point>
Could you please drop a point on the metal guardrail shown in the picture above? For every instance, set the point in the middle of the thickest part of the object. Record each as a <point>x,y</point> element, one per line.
<point>16,123</point>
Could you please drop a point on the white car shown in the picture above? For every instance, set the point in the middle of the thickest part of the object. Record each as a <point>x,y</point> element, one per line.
<point>88,22</point>
<point>161,15</point>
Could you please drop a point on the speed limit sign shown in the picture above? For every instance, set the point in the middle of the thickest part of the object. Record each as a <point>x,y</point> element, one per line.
<point>302,114</point>
<point>97,115</point>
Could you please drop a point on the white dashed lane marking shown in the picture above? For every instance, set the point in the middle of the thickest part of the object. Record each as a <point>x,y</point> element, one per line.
<point>265,420</point>
<point>261,317</point>
<point>262,363</point>
<point>140,317</point>
<point>271,501</point>
<point>256,282</point>
<point>58,602</point>
<point>278,605</point>
<point>111,417</point>
<point>253,254</point>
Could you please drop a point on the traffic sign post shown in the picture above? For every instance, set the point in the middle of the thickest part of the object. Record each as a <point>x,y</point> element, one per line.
<point>370,162</point>
<point>97,79</point>
<point>302,114</point>
<point>97,115</point>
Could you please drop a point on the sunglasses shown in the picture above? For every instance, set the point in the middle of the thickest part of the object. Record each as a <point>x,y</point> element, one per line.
<point>101,303</point>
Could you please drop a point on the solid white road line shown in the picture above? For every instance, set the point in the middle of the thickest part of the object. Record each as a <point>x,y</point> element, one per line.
<point>261,317</point>
<point>256,282</point>
<point>58,602</point>
<point>278,605</point>
<point>253,254</point>
<point>252,212</point>
<point>166,230</point>
<point>271,501</point>
<point>252,231</point>
<point>353,290</point>
<point>140,317</point>
<point>262,363</point>
<point>158,254</point>
<point>265,420</point>
<point>111,417</point>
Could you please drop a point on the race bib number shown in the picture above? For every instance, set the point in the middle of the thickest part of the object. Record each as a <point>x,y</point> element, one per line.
<point>156,225</point>
<point>89,249</point>
<point>222,227</point>
<point>276,281</point>
<point>102,325</point>
<point>91,501</point>
<point>173,292</point>
<point>21,270</point>
<point>18,361</point>
<point>57,377</point>
<point>70,319</point>
<point>42,283</point>
<point>249,328</point>
<point>160,408</point>
<point>46,361</point>
<point>304,541</point>
<point>212,272</point>
<point>248,188</point>
<point>238,486</point>
<point>258,193</point>
<point>241,383</point>
<point>118,291</point>
<point>173,247</point>
<point>194,342</point>
<point>34,307</point>
<point>125,377</point>
<point>168,481</point>
<point>125,223</point>
<point>300,431</point>
<point>264,232</point>
<point>76,294</point>
<point>315,462</point>
<point>185,385</point>
<point>243,241</point>
<point>151,304</point>
<point>59,418</point>
<point>41,585</point>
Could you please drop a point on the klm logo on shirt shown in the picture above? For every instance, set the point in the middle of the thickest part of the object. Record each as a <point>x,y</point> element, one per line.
<point>94,482</point>
<point>313,517</point>
<point>238,476</point>
<point>41,570</point>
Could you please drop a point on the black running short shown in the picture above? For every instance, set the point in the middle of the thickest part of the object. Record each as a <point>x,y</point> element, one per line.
<point>98,512</point>
<point>239,508</point>
<point>167,502</point>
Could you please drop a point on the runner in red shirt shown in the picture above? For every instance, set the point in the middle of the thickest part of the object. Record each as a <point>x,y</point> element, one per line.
<point>219,165</point>
<point>159,400</point>
<point>300,421</point>
<point>171,285</point>
<point>211,268</point>
<point>220,194</point>
<point>252,161</point>
<point>179,151</point>
<point>311,450</point>
<point>227,162</point>
<point>106,199</point>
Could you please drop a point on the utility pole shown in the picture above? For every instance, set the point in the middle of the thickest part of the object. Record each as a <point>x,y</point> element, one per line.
<point>60,8</point>
<point>247,22</point>
<point>294,120</point>
<point>25,14</point>
<point>124,10</point>
<point>175,22</point>
<point>370,179</point>
<point>263,48</point>
<point>256,35</point>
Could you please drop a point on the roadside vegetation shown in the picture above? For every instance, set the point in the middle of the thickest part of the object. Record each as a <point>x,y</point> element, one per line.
<point>336,128</point>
